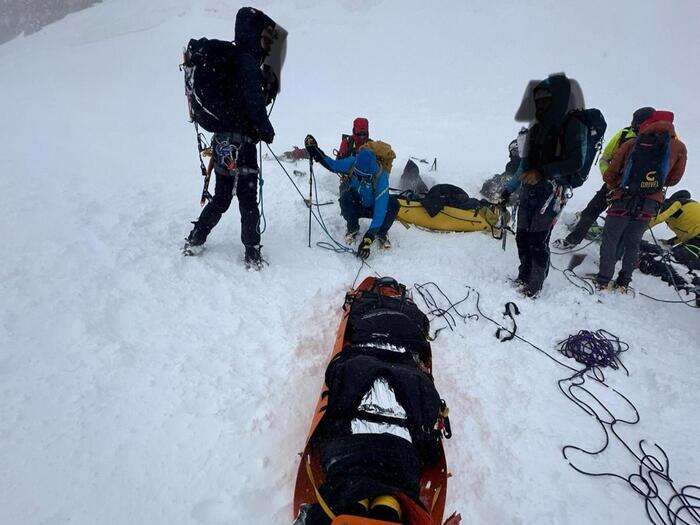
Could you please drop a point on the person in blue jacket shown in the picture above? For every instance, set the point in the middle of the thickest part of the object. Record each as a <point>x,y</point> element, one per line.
<point>366,194</point>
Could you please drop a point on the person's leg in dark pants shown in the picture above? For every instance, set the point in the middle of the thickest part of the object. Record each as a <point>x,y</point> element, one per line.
<point>247,192</point>
<point>688,253</point>
<point>351,209</point>
<point>391,211</point>
<point>612,233</point>
<point>539,253</point>
<point>522,241</point>
<point>589,215</point>
<point>212,212</point>
<point>630,240</point>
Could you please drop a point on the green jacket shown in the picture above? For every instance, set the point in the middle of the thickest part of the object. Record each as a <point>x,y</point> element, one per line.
<point>611,147</point>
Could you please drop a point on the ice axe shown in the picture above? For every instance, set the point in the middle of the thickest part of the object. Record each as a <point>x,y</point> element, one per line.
<point>503,224</point>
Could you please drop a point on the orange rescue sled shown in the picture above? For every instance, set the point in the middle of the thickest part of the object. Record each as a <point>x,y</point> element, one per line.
<point>433,482</point>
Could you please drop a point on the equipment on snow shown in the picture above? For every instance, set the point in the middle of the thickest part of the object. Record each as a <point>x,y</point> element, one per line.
<point>411,179</point>
<point>449,209</point>
<point>379,418</point>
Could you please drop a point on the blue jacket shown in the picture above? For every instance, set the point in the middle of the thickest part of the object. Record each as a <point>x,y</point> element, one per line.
<point>368,179</point>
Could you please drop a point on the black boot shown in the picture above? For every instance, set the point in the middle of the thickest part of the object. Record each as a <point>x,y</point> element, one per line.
<point>194,243</point>
<point>253,258</point>
<point>534,283</point>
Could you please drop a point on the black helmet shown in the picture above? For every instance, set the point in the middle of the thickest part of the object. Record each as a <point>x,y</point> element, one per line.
<point>640,116</point>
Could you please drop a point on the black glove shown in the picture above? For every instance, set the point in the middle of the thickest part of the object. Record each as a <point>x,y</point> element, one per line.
<point>363,250</point>
<point>505,198</point>
<point>267,136</point>
<point>314,151</point>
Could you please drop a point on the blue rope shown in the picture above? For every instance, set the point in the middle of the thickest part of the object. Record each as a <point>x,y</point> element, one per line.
<point>333,245</point>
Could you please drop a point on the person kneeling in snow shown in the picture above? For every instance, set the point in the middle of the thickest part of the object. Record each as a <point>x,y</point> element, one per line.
<point>682,215</point>
<point>366,193</point>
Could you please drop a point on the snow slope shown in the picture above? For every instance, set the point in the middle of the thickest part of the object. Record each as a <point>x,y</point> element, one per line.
<point>138,386</point>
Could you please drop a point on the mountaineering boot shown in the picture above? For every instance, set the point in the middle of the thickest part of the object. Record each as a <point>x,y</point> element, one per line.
<point>253,259</point>
<point>384,243</point>
<point>622,282</point>
<point>350,237</point>
<point>194,242</point>
<point>533,285</point>
<point>563,244</point>
<point>600,285</point>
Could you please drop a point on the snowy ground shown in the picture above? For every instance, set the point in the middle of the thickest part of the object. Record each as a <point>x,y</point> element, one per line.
<point>138,386</point>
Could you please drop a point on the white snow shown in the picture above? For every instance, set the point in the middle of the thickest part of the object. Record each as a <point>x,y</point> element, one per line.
<point>138,386</point>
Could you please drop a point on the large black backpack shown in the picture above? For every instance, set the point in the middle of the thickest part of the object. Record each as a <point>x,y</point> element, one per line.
<point>209,67</point>
<point>648,164</point>
<point>595,125</point>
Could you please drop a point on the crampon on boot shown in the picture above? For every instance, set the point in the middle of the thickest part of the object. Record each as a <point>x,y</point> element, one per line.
<point>350,237</point>
<point>253,259</point>
<point>194,242</point>
<point>384,243</point>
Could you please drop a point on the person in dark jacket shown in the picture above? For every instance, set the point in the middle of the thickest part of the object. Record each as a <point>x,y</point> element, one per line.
<point>234,158</point>
<point>554,152</point>
<point>599,202</point>
<point>632,208</point>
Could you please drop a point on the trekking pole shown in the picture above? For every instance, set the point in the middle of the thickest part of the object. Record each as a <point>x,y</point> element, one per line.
<point>311,180</point>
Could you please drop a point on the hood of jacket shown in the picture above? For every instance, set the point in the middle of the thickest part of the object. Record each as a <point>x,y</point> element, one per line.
<point>560,89</point>
<point>359,125</point>
<point>659,122</point>
<point>250,23</point>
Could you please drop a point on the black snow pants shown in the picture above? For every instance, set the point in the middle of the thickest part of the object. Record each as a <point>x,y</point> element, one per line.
<point>535,221</point>
<point>244,181</point>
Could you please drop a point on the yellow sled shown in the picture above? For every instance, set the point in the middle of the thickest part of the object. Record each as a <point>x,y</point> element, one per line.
<point>486,218</point>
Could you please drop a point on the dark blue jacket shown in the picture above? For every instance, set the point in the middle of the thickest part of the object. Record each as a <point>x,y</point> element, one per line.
<point>252,115</point>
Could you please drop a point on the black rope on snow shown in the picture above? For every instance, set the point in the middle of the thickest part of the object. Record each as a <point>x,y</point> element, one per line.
<point>582,283</point>
<point>579,248</point>
<point>664,502</point>
<point>448,312</point>
<point>594,349</point>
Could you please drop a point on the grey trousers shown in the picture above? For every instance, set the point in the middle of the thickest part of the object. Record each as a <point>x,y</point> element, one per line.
<point>623,233</point>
